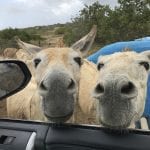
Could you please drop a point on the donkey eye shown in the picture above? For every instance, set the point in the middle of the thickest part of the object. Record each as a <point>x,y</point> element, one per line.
<point>78,60</point>
<point>99,66</point>
<point>145,65</point>
<point>36,62</point>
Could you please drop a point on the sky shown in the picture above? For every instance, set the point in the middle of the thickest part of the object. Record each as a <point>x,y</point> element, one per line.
<point>28,13</point>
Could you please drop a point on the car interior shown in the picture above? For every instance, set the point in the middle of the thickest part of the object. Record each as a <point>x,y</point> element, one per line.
<point>37,135</point>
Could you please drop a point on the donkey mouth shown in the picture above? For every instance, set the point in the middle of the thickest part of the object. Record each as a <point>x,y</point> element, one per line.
<point>59,119</point>
<point>115,127</point>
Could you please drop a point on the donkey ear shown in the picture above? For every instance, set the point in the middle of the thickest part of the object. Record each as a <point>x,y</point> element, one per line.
<point>31,49</point>
<point>147,54</point>
<point>85,43</point>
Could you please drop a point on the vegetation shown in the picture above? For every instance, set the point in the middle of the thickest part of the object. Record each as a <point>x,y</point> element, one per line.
<point>7,37</point>
<point>60,30</point>
<point>128,20</point>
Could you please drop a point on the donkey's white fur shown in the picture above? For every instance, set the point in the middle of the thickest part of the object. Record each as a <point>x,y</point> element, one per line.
<point>121,88</point>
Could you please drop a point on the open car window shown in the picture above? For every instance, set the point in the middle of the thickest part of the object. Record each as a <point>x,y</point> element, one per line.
<point>89,62</point>
<point>74,75</point>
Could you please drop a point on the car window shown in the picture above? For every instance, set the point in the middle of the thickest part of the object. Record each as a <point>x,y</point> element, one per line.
<point>89,61</point>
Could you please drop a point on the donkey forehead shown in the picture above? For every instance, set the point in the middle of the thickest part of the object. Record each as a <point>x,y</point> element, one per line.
<point>123,57</point>
<point>58,53</point>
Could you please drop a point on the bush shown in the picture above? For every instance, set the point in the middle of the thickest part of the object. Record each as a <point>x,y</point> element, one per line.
<point>128,20</point>
<point>7,37</point>
<point>60,30</point>
<point>9,34</point>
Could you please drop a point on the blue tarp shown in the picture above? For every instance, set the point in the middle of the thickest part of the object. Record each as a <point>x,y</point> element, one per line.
<point>138,45</point>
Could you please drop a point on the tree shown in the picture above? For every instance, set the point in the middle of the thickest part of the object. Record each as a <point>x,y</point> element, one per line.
<point>127,21</point>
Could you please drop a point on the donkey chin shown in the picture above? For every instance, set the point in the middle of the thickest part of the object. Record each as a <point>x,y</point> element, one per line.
<point>118,119</point>
<point>59,119</point>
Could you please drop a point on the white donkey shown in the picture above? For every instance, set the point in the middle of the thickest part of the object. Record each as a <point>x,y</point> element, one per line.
<point>55,90</point>
<point>121,88</point>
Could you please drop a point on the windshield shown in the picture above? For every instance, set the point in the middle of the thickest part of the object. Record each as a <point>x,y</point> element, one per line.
<point>89,61</point>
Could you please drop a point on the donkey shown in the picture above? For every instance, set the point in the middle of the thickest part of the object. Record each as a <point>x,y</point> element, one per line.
<point>121,87</point>
<point>55,90</point>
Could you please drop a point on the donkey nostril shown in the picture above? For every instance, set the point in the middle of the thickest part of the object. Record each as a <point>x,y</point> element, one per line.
<point>42,86</point>
<point>71,84</point>
<point>99,88</point>
<point>127,88</point>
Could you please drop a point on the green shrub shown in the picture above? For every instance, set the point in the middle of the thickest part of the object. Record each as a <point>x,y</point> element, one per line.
<point>60,30</point>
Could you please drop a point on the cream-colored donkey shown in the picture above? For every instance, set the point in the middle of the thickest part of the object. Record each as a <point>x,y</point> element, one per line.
<point>61,78</point>
<point>121,89</point>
